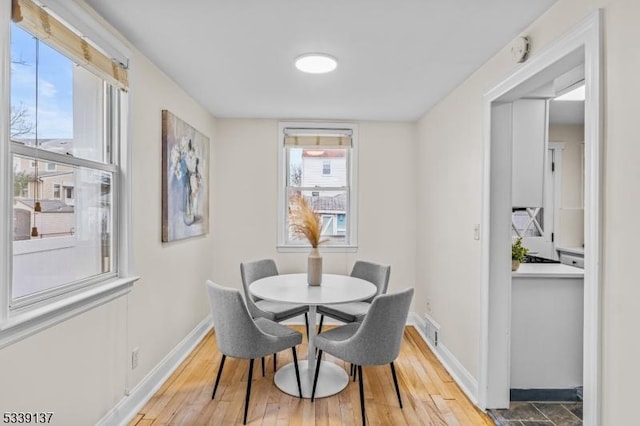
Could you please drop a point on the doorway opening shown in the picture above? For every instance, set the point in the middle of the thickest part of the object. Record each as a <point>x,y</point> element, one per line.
<point>579,48</point>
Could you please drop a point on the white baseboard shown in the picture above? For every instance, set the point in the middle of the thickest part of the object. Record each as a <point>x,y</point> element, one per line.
<point>461,375</point>
<point>129,406</point>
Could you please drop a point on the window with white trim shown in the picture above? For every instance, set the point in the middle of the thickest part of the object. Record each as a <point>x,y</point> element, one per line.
<point>67,101</point>
<point>318,161</point>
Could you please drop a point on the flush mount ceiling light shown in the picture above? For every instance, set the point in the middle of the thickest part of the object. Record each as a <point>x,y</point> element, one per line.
<point>316,63</point>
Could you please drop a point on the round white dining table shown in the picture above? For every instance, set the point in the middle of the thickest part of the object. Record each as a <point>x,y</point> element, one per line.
<point>293,288</point>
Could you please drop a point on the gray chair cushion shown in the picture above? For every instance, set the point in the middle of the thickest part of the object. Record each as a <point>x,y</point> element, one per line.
<point>346,312</point>
<point>354,312</point>
<point>375,341</point>
<point>252,271</point>
<point>278,311</point>
<point>339,334</point>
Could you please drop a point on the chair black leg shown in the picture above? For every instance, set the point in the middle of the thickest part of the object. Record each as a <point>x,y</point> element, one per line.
<point>262,366</point>
<point>315,377</point>
<point>306,324</point>
<point>295,365</point>
<point>355,372</point>
<point>351,369</point>
<point>275,362</point>
<point>246,398</point>
<point>320,327</point>
<point>395,382</point>
<point>215,386</point>
<point>361,383</point>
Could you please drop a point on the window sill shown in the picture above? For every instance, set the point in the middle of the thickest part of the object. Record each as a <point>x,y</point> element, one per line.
<point>305,249</point>
<point>21,325</point>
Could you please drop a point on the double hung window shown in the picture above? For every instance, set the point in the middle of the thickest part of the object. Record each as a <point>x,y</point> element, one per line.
<point>318,161</point>
<point>67,104</point>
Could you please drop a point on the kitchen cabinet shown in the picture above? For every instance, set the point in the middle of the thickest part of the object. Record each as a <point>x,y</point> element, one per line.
<point>571,256</point>
<point>530,130</point>
<point>547,309</point>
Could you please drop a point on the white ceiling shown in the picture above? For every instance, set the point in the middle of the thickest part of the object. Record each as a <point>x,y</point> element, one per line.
<point>566,112</point>
<point>396,58</point>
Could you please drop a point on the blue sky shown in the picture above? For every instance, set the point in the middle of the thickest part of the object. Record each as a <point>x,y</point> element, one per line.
<point>55,85</point>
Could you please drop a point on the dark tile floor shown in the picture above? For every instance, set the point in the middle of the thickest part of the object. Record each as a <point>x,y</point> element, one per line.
<point>539,414</point>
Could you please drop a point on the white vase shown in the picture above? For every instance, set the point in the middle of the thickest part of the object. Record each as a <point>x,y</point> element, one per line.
<point>314,267</point>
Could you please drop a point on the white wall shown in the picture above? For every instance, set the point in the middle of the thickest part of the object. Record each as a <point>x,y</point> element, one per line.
<point>450,158</point>
<point>170,299</point>
<point>80,368</point>
<point>245,210</point>
<point>570,230</point>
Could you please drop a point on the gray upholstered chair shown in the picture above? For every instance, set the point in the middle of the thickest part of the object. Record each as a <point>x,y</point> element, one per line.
<point>240,336</point>
<point>275,311</point>
<point>355,311</point>
<point>375,341</point>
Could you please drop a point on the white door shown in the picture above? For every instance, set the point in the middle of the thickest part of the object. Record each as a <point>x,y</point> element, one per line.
<point>536,224</point>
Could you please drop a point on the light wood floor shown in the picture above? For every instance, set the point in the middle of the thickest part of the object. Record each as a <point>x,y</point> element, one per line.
<point>429,394</point>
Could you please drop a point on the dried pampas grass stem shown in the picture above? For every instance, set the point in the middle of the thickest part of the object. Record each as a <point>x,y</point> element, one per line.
<point>304,221</point>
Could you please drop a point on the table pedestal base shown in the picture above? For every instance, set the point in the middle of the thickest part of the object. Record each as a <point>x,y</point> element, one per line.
<point>332,379</point>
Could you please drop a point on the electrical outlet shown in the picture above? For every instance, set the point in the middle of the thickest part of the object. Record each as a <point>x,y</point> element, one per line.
<point>428,306</point>
<point>476,231</point>
<point>134,358</point>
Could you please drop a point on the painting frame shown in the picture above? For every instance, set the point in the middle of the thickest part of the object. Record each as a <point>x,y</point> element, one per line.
<point>185,180</point>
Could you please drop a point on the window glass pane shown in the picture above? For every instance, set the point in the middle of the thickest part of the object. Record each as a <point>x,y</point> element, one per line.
<point>328,222</point>
<point>322,167</point>
<point>341,224</point>
<point>326,167</point>
<point>54,101</point>
<point>527,222</point>
<point>70,238</point>
<point>331,206</point>
<point>23,85</point>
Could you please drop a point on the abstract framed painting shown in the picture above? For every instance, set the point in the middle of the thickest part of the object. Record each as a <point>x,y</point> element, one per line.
<point>185,180</point>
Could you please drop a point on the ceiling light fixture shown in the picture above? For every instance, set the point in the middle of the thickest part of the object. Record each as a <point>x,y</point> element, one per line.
<point>316,63</point>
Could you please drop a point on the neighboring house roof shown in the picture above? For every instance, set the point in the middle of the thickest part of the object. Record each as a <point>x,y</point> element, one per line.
<point>48,206</point>
<point>337,203</point>
<point>59,145</point>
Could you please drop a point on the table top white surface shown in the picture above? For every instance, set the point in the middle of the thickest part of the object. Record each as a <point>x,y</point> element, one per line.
<point>293,288</point>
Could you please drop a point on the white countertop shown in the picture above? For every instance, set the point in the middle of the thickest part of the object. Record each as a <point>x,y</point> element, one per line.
<point>547,270</point>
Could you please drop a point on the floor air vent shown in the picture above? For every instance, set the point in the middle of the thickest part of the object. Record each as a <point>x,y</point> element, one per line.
<point>431,329</point>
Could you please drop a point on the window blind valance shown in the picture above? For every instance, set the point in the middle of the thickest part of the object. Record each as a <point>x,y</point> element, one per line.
<point>37,21</point>
<point>317,137</point>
